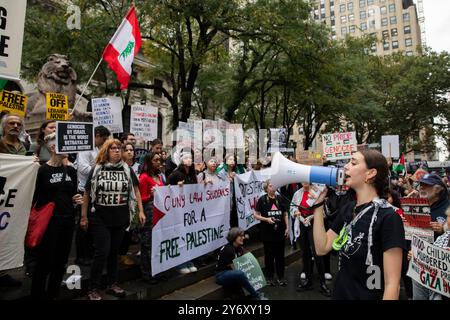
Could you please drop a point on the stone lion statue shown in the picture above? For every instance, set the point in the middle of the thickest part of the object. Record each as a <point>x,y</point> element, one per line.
<point>57,75</point>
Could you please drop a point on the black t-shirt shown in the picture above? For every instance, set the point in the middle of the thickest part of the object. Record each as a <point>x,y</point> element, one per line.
<point>50,187</point>
<point>226,256</point>
<point>275,208</point>
<point>352,278</point>
<point>180,175</point>
<point>111,204</point>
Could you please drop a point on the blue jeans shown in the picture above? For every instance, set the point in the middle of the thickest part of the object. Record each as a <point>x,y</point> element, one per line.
<point>420,292</point>
<point>235,277</point>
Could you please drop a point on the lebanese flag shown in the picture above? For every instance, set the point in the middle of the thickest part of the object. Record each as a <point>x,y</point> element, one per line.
<point>123,47</point>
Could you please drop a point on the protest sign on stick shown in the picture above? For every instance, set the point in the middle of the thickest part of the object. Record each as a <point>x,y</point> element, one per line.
<point>57,106</point>
<point>144,122</point>
<point>108,112</point>
<point>13,103</point>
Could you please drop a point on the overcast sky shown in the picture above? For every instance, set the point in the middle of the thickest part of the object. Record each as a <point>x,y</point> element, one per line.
<point>437,24</point>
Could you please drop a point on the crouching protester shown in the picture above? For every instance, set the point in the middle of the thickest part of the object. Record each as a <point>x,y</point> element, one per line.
<point>225,275</point>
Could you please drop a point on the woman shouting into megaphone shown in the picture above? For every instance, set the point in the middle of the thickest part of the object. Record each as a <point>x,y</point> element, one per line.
<point>367,233</point>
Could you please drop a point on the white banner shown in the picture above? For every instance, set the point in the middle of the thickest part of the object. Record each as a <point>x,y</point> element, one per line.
<point>17,182</point>
<point>12,23</point>
<point>144,122</point>
<point>248,189</point>
<point>430,266</point>
<point>108,112</point>
<point>188,222</point>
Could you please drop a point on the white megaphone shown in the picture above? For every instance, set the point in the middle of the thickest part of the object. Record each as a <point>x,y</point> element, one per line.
<point>284,172</point>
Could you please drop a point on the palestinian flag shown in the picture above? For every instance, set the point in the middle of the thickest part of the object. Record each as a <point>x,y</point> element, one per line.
<point>401,165</point>
<point>123,47</point>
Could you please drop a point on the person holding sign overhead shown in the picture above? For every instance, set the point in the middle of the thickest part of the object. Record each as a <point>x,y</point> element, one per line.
<point>225,275</point>
<point>112,189</point>
<point>368,233</point>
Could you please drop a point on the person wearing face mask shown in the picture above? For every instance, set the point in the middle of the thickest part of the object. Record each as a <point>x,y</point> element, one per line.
<point>367,233</point>
<point>55,182</point>
<point>39,148</point>
<point>433,188</point>
<point>184,174</point>
<point>209,175</point>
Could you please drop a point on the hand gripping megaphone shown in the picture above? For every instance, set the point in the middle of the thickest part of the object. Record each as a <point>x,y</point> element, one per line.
<point>284,172</point>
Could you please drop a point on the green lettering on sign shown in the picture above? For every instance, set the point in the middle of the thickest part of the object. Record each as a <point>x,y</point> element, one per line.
<point>250,266</point>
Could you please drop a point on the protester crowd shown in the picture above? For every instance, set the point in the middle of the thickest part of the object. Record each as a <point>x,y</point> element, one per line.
<point>361,221</point>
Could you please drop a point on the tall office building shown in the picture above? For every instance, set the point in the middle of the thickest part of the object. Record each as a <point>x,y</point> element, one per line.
<point>395,22</point>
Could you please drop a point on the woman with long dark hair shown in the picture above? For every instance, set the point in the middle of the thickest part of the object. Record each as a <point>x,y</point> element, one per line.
<point>149,179</point>
<point>39,148</point>
<point>112,189</point>
<point>368,233</point>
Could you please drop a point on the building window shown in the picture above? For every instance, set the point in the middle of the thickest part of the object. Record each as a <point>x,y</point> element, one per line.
<point>157,91</point>
<point>384,22</point>
<point>385,34</point>
<point>373,48</point>
<point>369,2</point>
<point>393,20</point>
<point>394,32</point>
<point>409,53</point>
<point>351,17</point>
<point>386,45</point>
<point>395,44</point>
<point>364,26</point>
<point>333,22</point>
<point>372,24</point>
<point>342,8</point>
<point>371,12</point>
<point>362,3</point>
<point>392,7</point>
<point>408,42</point>
<point>362,15</point>
<point>344,31</point>
<point>407,29</point>
<point>383,10</point>
<point>350,6</point>
<point>343,19</point>
<point>332,10</point>
<point>406,17</point>
<point>331,2</point>
<point>352,29</point>
<point>322,11</point>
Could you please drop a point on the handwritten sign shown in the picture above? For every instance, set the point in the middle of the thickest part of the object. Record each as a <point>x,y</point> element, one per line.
<point>13,103</point>
<point>108,112</point>
<point>57,106</point>
<point>430,266</point>
<point>417,218</point>
<point>339,145</point>
<point>144,122</point>
<point>248,264</point>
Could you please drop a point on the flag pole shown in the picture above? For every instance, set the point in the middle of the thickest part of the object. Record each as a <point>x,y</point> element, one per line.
<point>86,85</point>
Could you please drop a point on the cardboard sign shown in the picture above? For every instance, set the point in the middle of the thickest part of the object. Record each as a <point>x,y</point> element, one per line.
<point>339,145</point>
<point>418,218</point>
<point>57,106</point>
<point>309,158</point>
<point>430,266</point>
<point>390,146</point>
<point>73,137</point>
<point>144,122</point>
<point>248,264</point>
<point>13,103</point>
<point>108,112</point>
<point>12,23</point>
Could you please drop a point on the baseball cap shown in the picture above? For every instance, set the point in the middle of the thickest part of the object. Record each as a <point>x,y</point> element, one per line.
<point>432,179</point>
